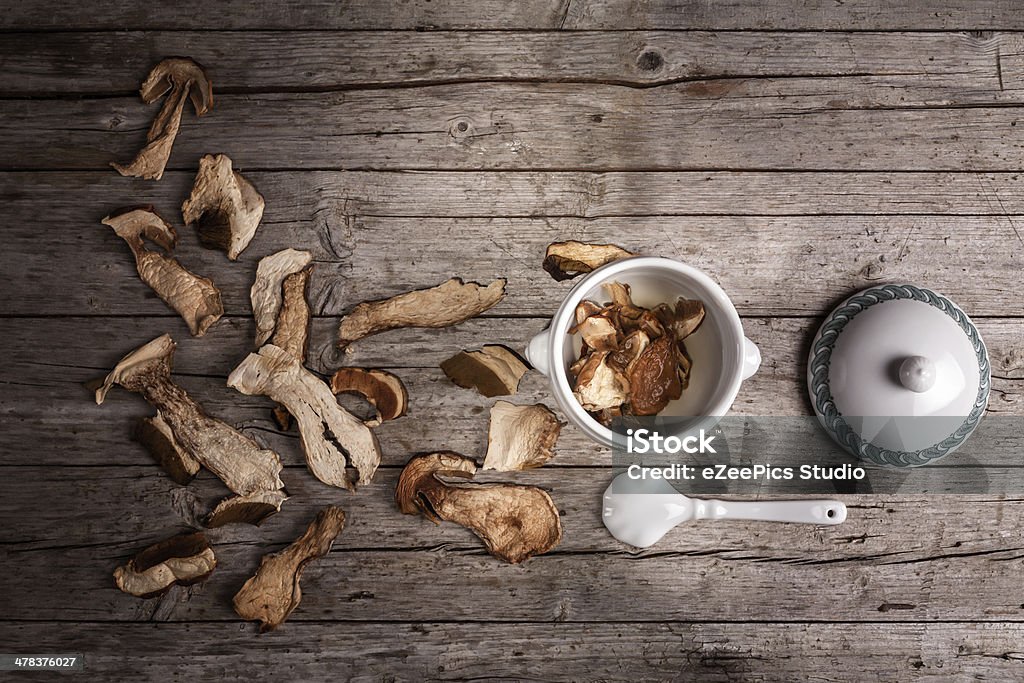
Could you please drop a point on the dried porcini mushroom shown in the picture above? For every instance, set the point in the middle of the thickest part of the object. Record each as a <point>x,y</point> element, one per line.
<point>155,434</point>
<point>236,459</point>
<point>632,346</point>
<point>250,509</point>
<point>274,593</point>
<point>267,291</point>
<point>292,330</point>
<point>598,333</point>
<point>566,260</point>
<point>633,360</point>
<point>185,79</point>
<point>515,522</point>
<point>195,298</point>
<point>599,385</point>
<point>328,431</point>
<point>225,208</point>
<point>520,437</point>
<point>585,309</point>
<point>654,378</point>
<point>494,370</point>
<point>684,319</point>
<point>449,303</point>
<point>182,560</point>
<point>382,390</point>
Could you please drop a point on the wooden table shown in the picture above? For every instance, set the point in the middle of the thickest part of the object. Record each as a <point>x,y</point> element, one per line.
<point>793,159</point>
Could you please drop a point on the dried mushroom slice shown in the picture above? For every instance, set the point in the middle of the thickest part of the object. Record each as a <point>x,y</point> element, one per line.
<point>584,310</point>
<point>619,293</point>
<point>182,560</point>
<point>577,367</point>
<point>185,79</point>
<point>274,593</point>
<point>267,291</point>
<point>689,314</point>
<point>449,303</point>
<point>684,364</point>
<point>599,385</point>
<point>599,333</point>
<point>225,208</point>
<point>250,509</point>
<point>236,459</point>
<point>327,430</point>
<point>520,437</point>
<point>566,260</point>
<point>631,349</point>
<point>292,330</point>
<point>654,378</point>
<point>494,370</point>
<point>155,434</point>
<point>382,390</point>
<point>515,522</point>
<point>195,298</point>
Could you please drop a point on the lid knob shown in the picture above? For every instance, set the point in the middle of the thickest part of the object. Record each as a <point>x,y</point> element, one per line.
<point>917,373</point>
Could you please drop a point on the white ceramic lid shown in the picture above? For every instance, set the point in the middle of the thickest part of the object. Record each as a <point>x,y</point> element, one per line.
<point>899,374</point>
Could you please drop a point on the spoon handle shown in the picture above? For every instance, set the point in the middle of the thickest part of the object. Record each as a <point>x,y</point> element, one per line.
<point>800,511</point>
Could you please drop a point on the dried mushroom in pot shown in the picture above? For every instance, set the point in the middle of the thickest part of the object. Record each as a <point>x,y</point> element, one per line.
<point>632,360</point>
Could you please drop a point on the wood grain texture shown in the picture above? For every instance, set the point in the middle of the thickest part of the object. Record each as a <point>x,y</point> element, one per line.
<point>533,14</point>
<point>348,220</point>
<point>964,65</point>
<point>305,196</point>
<point>44,374</point>
<point>699,584</point>
<point>856,123</point>
<point>797,152</point>
<point>78,514</point>
<point>311,14</point>
<point>638,651</point>
<point>813,14</point>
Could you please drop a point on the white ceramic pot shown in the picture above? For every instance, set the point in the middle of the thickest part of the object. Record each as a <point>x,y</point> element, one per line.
<point>722,356</point>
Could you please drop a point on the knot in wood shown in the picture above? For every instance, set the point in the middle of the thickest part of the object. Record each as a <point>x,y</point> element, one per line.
<point>461,128</point>
<point>650,60</point>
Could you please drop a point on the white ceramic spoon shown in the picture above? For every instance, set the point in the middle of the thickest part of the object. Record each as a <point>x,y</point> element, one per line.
<point>652,508</point>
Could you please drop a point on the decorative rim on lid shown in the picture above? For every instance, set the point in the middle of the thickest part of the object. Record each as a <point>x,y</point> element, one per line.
<point>821,395</point>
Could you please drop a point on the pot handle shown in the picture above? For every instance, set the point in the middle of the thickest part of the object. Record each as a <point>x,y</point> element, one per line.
<point>751,358</point>
<point>537,353</point>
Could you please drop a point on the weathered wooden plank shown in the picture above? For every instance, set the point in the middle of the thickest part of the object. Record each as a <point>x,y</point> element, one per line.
<point>125,508</point>
<point>813,14</point>
<point>535,14</point>
<point>295,197</point>
<point>856,123</point>
<point>366,585</point>
<point>312,14</point>
<point>46,361</point>
<point>975,260</point>
<point>105,63</point>
<point>643,651</point>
